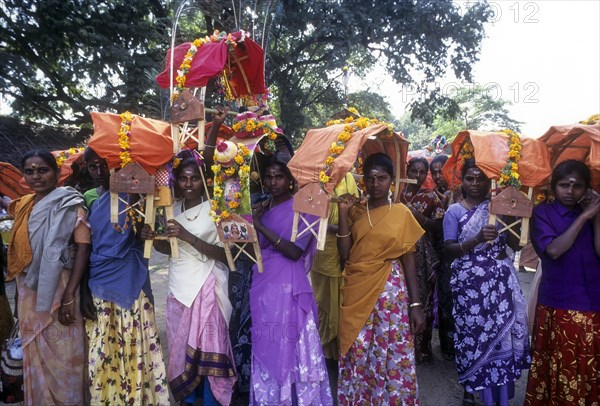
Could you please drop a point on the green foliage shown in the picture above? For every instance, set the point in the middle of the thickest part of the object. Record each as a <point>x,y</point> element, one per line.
<point>469,108</point>
<point>479,108</point>
<point>62,59</point>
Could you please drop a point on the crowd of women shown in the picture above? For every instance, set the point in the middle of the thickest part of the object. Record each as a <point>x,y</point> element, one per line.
<point>345,326</point>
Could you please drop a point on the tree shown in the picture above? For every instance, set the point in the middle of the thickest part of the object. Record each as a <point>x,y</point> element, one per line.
<point>416,39</point>
<point>471,107</point>
<point>477,108</point>
<point>62,59</point>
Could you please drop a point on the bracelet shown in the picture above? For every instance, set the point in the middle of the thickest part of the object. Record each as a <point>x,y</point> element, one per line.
<point>277,242</point>
<point>415,304</point>
<point>343,236</point>
<point>462,249</point>
<point>68,303</point>
<point>208,146</point>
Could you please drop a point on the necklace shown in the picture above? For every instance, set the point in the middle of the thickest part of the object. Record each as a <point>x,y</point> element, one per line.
<point>369,213</point>
<point>409,202</point>
<point>183,210</point>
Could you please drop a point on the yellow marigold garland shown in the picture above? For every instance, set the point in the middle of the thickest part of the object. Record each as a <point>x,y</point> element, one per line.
<point>509,176</point>
<point>64,155</point>
<point>185,67</point>
<point>186,64</point>
<point>591,120</point>
<point>337,147</point>
<point>219,208</point>
<point>467,150</point>
<point>124,134</point>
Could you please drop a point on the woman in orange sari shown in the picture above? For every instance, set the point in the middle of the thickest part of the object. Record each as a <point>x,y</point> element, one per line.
<point>51,325</point>
<point>380,308</point>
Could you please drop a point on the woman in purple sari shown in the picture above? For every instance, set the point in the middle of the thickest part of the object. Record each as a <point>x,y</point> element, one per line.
<point>491,338</point>
<point>287,360</point>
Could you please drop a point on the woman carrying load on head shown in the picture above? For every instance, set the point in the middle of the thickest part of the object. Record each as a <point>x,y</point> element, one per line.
<point>288,366</point>
<point>491,338</point>
<point>380,307</point>
<point>566,337</point>
<point>326,280</point>
<point>125,360</point>
<point>47,223</point>
<point>428,210</point>
<point>198,308</point>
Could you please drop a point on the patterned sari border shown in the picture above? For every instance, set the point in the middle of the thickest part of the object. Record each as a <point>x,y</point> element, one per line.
<point>197,365</point>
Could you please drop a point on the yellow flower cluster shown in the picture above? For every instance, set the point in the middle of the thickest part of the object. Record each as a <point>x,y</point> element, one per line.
<point>509,176</point>
<point>185,67</point>
<point>539,198</point>
<point>591,120</point>
<point>467,150</point>
<point>351,125</point>
<point>221,209</point>
<point>64,155</point>
<point>124,134</point>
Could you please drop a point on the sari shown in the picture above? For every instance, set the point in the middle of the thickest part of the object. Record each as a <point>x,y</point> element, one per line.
<point>198,312</point>
<point>125,361</point>
<point>326,277</point>
<point>491,337</point>
<point>287,358</point>
<point>377,364</point>
<point>426,202</point>
<point>53,354</point>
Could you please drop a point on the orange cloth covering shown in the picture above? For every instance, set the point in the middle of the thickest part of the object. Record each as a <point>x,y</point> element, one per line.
<point>19,254</point>
<point>395,232</point>
<point>491,155</point>
<point>150,143</point>
<point>11,183</point>
<point>575,141</point>
<point>309,159</point>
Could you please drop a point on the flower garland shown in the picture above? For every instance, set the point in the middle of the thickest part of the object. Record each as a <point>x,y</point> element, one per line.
<point>466,152</point>
<point>229,166</point>
<point>124,135</point>
<point>509,176</point>
<point>64,155</point>
<point>185,67</point>
<point>337,147</point>
<point>249,125</point>
<point>591,120</point>
<point>186,64</point>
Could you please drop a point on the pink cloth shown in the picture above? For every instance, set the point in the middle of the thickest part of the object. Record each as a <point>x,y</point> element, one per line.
<point>199,346</point>
<point>53,354</point>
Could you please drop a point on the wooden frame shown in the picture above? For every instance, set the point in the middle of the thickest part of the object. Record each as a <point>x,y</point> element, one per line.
<point>523,220</point>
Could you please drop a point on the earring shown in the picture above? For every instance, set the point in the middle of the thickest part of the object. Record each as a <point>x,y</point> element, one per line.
<point>291,185</point>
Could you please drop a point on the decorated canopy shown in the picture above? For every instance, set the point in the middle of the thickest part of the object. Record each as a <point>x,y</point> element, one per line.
<point>309,160</point>
<point>149,141</point>
<point>575,141</point>
<point>236,56</point>
<point>491,153</point>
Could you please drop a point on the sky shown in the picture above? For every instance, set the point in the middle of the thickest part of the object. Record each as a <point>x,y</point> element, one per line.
<point>544,56</point>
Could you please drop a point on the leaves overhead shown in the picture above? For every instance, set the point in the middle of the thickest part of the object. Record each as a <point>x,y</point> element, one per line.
<point>61,59</point>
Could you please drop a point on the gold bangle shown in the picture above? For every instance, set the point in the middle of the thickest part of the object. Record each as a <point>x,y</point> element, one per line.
<point>343,236</point>
<point>278,241</point>
<point>68,303</point>
<point>462,249</point>
<point>415,304</point>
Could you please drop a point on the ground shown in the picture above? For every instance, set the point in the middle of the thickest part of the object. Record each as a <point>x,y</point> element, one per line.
<point>437,382</point>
